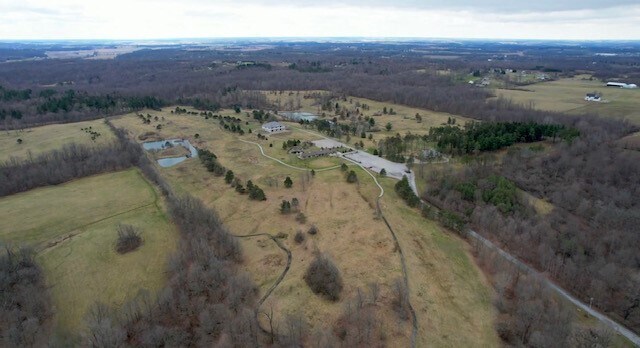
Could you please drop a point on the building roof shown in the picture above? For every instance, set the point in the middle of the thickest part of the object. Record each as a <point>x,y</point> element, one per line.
<point>272,125</point>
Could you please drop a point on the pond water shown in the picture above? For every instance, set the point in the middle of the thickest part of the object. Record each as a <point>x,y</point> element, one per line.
<point>163,144</point>
<point>297,116</point>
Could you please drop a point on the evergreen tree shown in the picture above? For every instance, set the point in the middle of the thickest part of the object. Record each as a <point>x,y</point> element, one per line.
<point>228,177</point>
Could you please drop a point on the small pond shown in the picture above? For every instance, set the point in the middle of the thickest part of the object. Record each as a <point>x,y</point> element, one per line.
<point>297,116</point>
<point>163,144</point>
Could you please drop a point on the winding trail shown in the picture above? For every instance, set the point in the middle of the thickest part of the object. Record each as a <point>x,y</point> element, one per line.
<point>280,278</point>
<point>405,275</point>
<point>287,164</point>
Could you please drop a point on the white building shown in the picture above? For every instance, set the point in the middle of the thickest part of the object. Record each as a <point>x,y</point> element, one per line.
<point>621,85</point>
<point>273,127</point>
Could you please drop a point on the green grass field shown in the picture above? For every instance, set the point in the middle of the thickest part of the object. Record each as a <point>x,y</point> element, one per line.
<point>567,95</point>
<point>73,228</point>
<point>46,138</point>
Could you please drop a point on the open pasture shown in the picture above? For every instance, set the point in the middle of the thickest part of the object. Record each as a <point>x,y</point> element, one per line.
<point>72,226</point>
<point>37,140</point>
<point>567,95</point>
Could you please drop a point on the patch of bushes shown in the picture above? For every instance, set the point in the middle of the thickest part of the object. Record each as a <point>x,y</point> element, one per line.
<point>299,237</point>
<point>129,238</point>
<point>323,277</point>
<point>301,218</point>
<point>404,190</point>
<point>255,192</point>
<point>502,193</point>
<point>210,161</point>
<point>352,177</point>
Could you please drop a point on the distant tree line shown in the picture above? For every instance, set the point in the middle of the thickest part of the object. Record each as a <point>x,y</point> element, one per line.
<point>58,166</point>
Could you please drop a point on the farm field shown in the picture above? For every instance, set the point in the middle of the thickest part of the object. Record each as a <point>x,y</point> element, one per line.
<point>567,95</point>
<point>340,211</point>
<point>38,140</point>
<point>74,234</point>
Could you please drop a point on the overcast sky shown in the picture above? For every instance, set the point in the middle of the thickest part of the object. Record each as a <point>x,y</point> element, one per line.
<point>154,19</point>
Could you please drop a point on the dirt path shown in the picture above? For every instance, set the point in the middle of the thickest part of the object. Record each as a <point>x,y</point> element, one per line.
<point>280,278</point>
<point>287,164</point>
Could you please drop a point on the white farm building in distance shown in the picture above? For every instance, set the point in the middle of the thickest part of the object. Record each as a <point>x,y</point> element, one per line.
<point>273,127</point>
<point>621,85</point>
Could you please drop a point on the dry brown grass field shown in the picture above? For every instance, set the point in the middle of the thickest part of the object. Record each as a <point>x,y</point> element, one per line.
<point>349,232</point>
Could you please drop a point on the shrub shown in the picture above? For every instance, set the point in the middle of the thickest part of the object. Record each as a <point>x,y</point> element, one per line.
<point>299,237</point>
<point>352,177</point>
<point>285,207</point>
<point>323,277</point>
<point>129,238</point>
<point>344,167</point>
<point>383,172</point>
<point>405,191</point>
<point>301,218</point>
<point>313,230</point>
<point>228,178</point>
<point>288,182</point>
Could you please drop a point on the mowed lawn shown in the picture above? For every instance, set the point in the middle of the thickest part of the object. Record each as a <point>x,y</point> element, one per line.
<point>567,95</point>
<point>46,138</point>
<point>73,228</point>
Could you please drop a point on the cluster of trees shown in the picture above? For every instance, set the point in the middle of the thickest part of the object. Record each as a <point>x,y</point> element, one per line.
<point>287,207</point>
<point>323,277</point>
<point>25,304</point>
<point>491,136</point>
<point>58,166</point>
<point>129,238</point>
<point>589,194</point>
<point>210,161</point>
<point>404,190</point>
<point>15,114</point>
<point>530,314</point>
<point>309,67</point>
<point>7,94</point>
<point>262,116</point>
<point>290,143</point>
